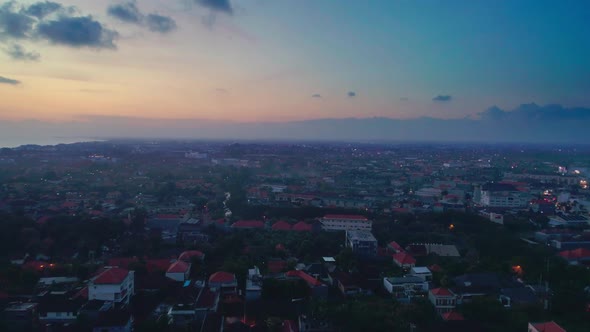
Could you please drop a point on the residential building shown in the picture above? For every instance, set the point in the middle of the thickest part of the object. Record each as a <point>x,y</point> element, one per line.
<point>20,316</point>
<point>253,284</point>
<point>225,282</point>
<point>443,300</point>
<point>179,271</point>
<point>405,288</point>
<point>404,260</point>
<point>336,222</point>
<point>113,284</point>
<point>421,272</point>
<point>361,242</point>
<point>501,195</point>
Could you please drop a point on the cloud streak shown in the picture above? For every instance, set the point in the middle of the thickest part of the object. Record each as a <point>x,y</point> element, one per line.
<point>351,94</point>
<point>442,98</point>
<point>17,52</point>
<point>128,12</point>
<point>9,81</point>
<point>222,6</point>
<point>159,23</point>
<point>43,9</point>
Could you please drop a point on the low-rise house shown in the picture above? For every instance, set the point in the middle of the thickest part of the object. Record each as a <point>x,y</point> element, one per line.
<point>518,297</point>
<point>112,284</point>
<point>179,271</point>
<point>443,299</point>
<point>545,327</point>
<point>404,289</point>
<point>114,320</point>
<point>404,260</point>
<point>580,256</point>
<point>421,272</point>
<point>58,307</point>
<point>20,316</point>
<point>346,283</point>
<point>318,288</point>
<point>394,247</point>
<point>225,282</point>
<point>190,255</point>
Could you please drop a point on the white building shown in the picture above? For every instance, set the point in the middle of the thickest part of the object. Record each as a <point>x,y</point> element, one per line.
<point>502,195</point>
<point>421,272</point>
<point>113,284</point>
<point>336,222</point>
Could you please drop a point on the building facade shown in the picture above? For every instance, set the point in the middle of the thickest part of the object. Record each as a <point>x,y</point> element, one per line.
<point>334,222</point>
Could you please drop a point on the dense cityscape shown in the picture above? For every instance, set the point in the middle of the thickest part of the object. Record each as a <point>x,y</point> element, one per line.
<point>258,236</point>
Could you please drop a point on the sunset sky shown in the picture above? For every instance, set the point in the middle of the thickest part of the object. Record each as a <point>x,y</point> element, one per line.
<point>283,60</point>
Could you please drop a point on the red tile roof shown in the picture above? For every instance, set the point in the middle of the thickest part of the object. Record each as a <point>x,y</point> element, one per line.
<point>435,268</point>
<point>179,267</point>
<point>403,258</point>
<point>248,224</point>
<point>302,227</point>
<point>345,216</point>
<point>395,245</point>
<point>548,327</point>
<point>441,292</point>
<point>222,277</point>
<point>311,281</point>
<point>575,254</point>
<point>111,276</point>
<point>274,266</point>
<point>189,254</point>
<point>281,226</point>
<point>452,315</point>
<point>122,261</point>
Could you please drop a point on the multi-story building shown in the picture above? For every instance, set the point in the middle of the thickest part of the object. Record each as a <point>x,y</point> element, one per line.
<point>113,284</point>
<point>501,195</point>
<point>361,242</point>
<point>337,222</point>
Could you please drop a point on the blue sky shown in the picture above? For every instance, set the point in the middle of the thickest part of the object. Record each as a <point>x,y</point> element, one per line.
<point>279,60</point>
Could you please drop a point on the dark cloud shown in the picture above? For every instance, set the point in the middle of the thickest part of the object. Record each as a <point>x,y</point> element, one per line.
<point>317,95</point>
<point>160,23</point>
<point>14,23</point>
<point>442,98</point>
<point>126,12</point>
<point>223,6</point>
<point>222,91</point>
<point>17,52</point>
<point>533,113</point>
<point>42,9</point>
<point>352,94</point>
<point>5,80</point>
<point>404,99</point>
<point>81,31</point>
